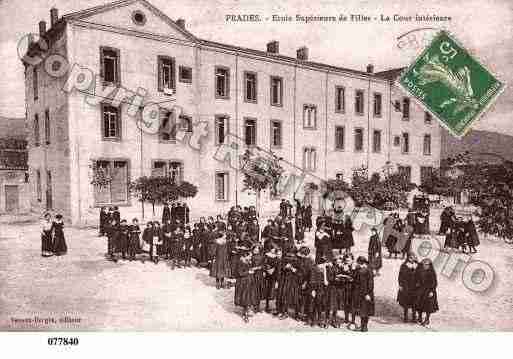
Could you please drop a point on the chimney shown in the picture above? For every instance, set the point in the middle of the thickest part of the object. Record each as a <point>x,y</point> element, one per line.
<point>42,28</point>
<point>54,16</point>
<point>302,53</point>
<point>273,47</point>
<point>181,23</point>
<point>370,68</point>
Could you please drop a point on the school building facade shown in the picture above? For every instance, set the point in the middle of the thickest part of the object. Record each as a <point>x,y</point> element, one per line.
<point>324,119</point>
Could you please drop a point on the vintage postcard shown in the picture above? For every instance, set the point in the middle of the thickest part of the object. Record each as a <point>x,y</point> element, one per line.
<point>276,166</point>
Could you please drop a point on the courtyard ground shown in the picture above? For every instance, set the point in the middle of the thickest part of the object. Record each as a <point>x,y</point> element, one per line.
<point>103,295</point>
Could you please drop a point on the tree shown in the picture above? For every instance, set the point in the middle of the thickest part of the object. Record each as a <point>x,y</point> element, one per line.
<point>260,173</point>
<point>160,189</point>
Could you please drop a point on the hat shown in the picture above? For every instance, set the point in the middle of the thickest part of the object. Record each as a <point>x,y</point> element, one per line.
<point>362,260</point>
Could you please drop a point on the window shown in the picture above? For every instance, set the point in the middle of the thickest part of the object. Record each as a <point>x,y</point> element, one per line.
<point>358,139</point>
<point>276,91</point>
<point>405,171</point>
<point>425,174</point>
<point>340,99</point>
<point>35,84</point>
<point>47,127</point>
<point>427,145</point>
<point>173,169</point>
<point>275,133</point>
<point>185,74</point>
<point>376,141</point>
<point>340,138</point>
<point>138,17</point>
<point>250,132</point>
<point>397,141</point>
<point>167,131</point>
<point>358,102</point>
<point>310,117</point>
<point>377,104</point>
<point>309,159</point>
<point>36,130</point>
<point>111,122</point>
<point>109,69</point>
<point>222,82</point>
<point>250,88</point>
<point>115,192</point>
<point>166,74</point>
<point>221,186</point>
<point>38,186</point>
<point>427,117</point>
<point>406,108</point>
<point>406,143</point>
<point>222,128</point>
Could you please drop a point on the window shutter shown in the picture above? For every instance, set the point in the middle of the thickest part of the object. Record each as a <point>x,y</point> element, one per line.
<point>159,73</point>
<point>102,70</point>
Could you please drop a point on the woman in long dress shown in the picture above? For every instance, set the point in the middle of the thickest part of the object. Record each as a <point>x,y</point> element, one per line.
<point>46,236</point>
<point>407,286</point>
<point>426,297</point>
<point>59,242</point>
<point>374,252</point>
<point>242,295</point>
<point>220,268</point>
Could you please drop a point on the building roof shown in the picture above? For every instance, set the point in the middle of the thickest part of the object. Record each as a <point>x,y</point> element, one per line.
<point>325,67</point>
<point>391,74</point>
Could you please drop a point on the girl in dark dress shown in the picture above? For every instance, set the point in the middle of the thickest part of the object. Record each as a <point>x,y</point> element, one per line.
<point>257,265</point>
<point>323,244</point>
<point>112,234</point>
<point>289,286</point>
<point>318,292</point>
<point>156,242</point>
<point>426,297</point>
<point>374,252</point>
<point>472,238</point>
<point>203,242</point>
<point>188,247</point>
<point>59,242</point>
<point>243,284</point>
<point>340,276</point>
<point>176,244</point>
<point>406,294</point>
<point>103,221</point>
<point>363,292</point>
<point>123,238</point>
<point>272,272</point>
<point>46,236</point>
<point>133,241</point>
<point>147,239</point>
<point>348,240</point>
<point>220,268</point>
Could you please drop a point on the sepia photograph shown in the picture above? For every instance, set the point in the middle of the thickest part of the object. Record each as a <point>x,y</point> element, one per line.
<point>255,166</point>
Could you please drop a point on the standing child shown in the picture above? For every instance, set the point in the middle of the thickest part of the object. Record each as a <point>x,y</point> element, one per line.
<point>407,290</point>
<point>338,274</point>
<point>46,236</point>
<point>112,232</point>
<point>157,242</point>
<point>176,243</point>
<point>123,238</point>
<point>103,221</point>
<point>242,295</point>
<point>133,240</point>
<point>318,291</point>
<point>272,271</point>
<point>187,246</point>
<point>426,297</point>
<point>257,263</point>
<point>147,242</point>
<point>374,252</point>
<point>220,266</point>
<point>59,242</point>
<point>363,292</point>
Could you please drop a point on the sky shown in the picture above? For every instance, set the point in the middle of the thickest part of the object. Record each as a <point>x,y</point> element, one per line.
<point>483,27</point>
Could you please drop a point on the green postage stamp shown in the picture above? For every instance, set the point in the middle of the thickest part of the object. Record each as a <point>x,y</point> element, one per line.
<point>451,84</point>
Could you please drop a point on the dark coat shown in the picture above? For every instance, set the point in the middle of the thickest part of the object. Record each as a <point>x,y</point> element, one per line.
<point>272,272</point>
<point>59,242</point>
<point>166,214</point>
<point>338,234</point>
<point>363,285</point>
<point>243,284</point>
<point>323,247</point>
<point>220,267</point>
<point>289,286</point>
<point>406,294</point>
<point>426,283</point>
<point>348,241</point>
<point>374,252</point>
<point>471,234</point>
<point>340,285</point>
